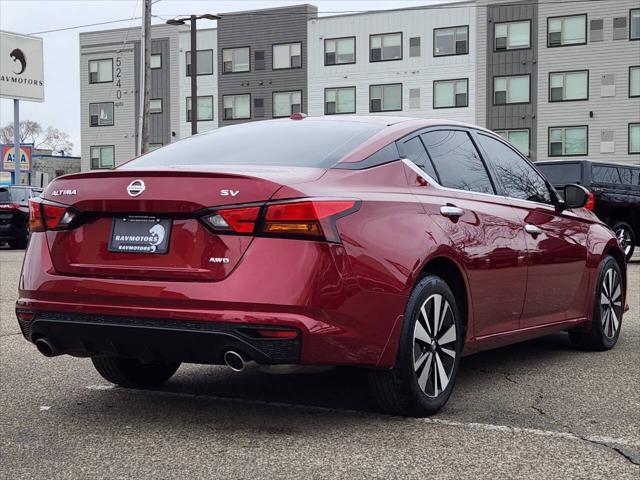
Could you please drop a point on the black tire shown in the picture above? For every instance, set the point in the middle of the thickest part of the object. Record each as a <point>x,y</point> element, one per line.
<point>398,390</point>
<point>627,238</point>
<point>131,373</point>
<point>601,336</point>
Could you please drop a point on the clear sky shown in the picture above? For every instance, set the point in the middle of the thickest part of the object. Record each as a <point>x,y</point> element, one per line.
<point>61,65</point>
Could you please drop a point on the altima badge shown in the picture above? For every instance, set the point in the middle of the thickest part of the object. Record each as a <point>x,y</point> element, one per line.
<point>135,188</point>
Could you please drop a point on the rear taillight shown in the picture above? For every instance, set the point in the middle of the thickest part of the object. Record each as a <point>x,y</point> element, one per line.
<point>9,206</point>
<point>591,201</point>
<point>45,215</point>
<point>307,219</point>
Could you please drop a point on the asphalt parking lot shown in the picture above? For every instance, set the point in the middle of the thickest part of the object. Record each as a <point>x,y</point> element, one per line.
<point>534,410</point>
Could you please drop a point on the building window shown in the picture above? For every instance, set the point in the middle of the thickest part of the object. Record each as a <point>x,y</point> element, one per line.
<point>634,24</point>
<point>235,60</point>
<point>450,93</point>
<point>102,156</point>
<point>258,107</point>
<point>385,47</point>
<point>568,86</point>
<point>205,62</point>
<point>155,105</point>
<point>101,71</point>
<point>512,35</point>
<point>414,98</point>
<point>563,31</point>
<point>568,141</point>
<point>634,81</point>
<point>205,108</point>
<point>619,28</point>
<point>236,107</point>
<point>155,61</point>
<point>100,114</point>
<point>154,146</point>
<point>596,30</point>
<point>385,98</point>
<point>634,138</point>
<point>258,58</point>
<point>451,41</point>
<point>518,138</point>
<point>507,90</point>
<point>414,47</point>
<point>287,103</point>
<point>339,100</point>
<point>287,55</point>
<point>340,51</point>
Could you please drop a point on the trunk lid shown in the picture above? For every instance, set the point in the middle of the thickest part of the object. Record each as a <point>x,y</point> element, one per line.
<point>171,198</point>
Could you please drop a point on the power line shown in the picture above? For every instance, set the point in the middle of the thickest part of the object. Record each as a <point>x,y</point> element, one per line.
<point>329,12</point>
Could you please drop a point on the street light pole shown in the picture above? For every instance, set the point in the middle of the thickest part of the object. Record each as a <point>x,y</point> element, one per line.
<point>192,19</point>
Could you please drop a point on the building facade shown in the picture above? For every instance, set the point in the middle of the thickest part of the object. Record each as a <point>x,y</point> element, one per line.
<point>557,79</point>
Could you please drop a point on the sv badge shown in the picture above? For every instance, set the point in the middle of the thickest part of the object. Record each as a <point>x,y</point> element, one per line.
<point>226,193</point>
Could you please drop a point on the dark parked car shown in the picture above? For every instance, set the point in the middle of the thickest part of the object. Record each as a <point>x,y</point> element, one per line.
<point>393,244</point>
<point>14,214</point>
<point>616,193</point>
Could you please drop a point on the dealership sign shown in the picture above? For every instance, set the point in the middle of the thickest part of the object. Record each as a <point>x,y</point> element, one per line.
<point>21,67</point>
<point>8,160</point>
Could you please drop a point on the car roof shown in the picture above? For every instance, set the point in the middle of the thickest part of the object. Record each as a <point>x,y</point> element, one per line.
<point>593,162</point>
<point>388,120</point>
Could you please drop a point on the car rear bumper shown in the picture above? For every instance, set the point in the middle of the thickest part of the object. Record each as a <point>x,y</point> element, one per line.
<point>290,284</point>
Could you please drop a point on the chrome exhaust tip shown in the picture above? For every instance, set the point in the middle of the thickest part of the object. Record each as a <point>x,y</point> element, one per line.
<point>234,361</point>
<point>46,348</point>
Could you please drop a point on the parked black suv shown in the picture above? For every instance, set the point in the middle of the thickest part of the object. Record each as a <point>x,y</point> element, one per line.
<point>616,190</point>
<point>14,214</point>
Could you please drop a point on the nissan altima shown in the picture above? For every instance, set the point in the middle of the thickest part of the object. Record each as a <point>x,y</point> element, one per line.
<point>393,244</point>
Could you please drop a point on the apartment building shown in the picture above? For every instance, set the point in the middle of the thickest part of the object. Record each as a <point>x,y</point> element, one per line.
<point>557,79</point>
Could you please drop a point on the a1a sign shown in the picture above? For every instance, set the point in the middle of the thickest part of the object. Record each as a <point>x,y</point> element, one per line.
<point>8,160</point>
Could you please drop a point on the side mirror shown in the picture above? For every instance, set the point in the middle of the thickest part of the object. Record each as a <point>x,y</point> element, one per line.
<point>576,196</point>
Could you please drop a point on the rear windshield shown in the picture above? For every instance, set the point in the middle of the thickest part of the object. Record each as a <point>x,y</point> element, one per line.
<point>13,195</point>
<point>283,142</point>
<point>562,173</point>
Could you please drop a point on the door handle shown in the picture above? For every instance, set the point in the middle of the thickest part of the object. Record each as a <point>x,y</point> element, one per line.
<point>532,229</point>
<point>451,211</point>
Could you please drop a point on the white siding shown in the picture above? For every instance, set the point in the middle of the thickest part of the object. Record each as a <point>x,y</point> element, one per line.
<point>413,72</point>
<point>207,84</point>
<point>606,57</point>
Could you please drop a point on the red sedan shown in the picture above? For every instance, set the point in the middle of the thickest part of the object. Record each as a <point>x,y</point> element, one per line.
<point>394,244</point>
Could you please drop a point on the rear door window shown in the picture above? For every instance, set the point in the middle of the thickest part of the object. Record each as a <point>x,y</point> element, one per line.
<point>414,150</point>
<point>519,179</point>
<point>457,161</point>
<point>604,174</point>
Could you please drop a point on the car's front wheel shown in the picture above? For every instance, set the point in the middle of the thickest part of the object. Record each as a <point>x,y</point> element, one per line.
<point>429,354</point>
<point>131,373</point>
<point>607,312</point>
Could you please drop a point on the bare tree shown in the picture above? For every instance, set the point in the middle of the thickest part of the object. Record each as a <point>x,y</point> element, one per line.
<point>32,132</point>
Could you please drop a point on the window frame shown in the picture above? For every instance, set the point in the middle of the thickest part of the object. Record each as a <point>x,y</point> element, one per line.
<point>155,55</point>
<point>568,16</point>
<point>187,64</point>
<point>382,99</point>
<point>528,20</point>
<point>113,115</point>
<point>273,103</point>
<point>630,69</point>
<point>563,88</point>
<point>507,91</point>
<point>188,109</point>
<point>355,100</point>
<point>355,57</point>
<point>507,130</point>
<point>454,94</point>
<point>238,95</point>
<point>99,60</point>
<point>388,59</point>
<point>631,10</point>
<point>91,147</point>
<point>248,47</point>
<point>161,106</point>
<point>629,152</point>
<point>273,45</point>
<point>586,127</point>
<point>455,27</point>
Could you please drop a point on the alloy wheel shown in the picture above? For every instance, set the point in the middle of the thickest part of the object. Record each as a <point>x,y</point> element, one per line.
<point>611,307</point>
<point>625,239</point>
<point>434,345</point>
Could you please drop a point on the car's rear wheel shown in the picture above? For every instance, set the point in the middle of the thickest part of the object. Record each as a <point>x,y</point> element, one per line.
<point>626,237</point>
<point>429,353</point>
<point>608,310</point>
<point>131,373</point>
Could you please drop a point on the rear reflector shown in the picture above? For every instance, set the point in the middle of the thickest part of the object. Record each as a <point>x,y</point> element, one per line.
<point>48,216</point>
<point>9,206</point>
<point>277,333</point>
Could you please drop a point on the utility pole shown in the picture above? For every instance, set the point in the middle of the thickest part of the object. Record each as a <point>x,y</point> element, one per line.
<point>146,89</point>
